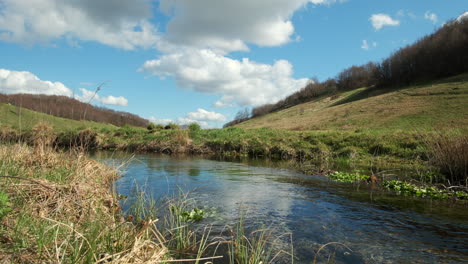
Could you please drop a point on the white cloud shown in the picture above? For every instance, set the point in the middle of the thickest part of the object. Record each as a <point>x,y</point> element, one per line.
<point>184,121</point>
<point>365,45</point>
<point>223,25</point>
<point>118,23</point>
<point>203,117</point>
<point>404,13</point>
<point>380,20</point>
<point>243,82</point>
<point>112,100</point>
<point>156,120</point>
<point>227,25</point>
<point>14,82</point>
<point>88,96</point>
<point>431,16</point>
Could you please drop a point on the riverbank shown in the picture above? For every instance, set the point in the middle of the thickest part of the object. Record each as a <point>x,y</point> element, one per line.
<point>422,157</point>
<point>60,208</point>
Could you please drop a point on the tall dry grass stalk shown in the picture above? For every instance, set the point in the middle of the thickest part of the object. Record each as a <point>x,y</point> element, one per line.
<point>63,211</point>
<point>42,138</point>
<point>449,152</point>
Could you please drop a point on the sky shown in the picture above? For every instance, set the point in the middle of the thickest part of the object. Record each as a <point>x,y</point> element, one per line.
<point>199,61</point>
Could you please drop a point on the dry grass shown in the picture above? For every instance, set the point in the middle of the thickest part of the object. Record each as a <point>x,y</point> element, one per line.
<point>63,211</point>
<point>449,151</point>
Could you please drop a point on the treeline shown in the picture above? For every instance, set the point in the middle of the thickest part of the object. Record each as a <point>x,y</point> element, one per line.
<point>441,54</point>
<point>67,107</point>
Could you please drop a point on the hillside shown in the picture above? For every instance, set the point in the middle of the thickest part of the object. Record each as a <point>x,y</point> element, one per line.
<point>24,119</point>
<point>66,107</point>
<point>426,106</point>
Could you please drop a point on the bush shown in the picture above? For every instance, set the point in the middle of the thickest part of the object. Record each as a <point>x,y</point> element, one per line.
<point>193,127</point>
<point>172,126</point>
<point>151,126</point>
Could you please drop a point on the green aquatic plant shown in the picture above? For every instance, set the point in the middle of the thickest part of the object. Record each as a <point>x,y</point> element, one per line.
<point>348,177</point>
<point>431,192</point>
<point>194,215</point>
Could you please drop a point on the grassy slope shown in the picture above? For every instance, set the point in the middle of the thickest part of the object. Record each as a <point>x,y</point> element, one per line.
<point>24,119</point>
<point>436,105</point>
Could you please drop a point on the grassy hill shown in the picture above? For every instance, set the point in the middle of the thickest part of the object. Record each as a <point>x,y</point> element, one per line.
<point>441,104</point>
<point>24,119</point>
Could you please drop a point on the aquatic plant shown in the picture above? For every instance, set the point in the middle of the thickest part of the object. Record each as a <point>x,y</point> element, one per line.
<point>348,177</point>
<point>431,192</point>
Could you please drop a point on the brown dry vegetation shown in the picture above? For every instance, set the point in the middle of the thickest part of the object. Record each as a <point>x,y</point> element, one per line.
<point>61,210</point>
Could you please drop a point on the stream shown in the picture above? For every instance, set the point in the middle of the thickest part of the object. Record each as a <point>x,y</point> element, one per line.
<point>366,225</point>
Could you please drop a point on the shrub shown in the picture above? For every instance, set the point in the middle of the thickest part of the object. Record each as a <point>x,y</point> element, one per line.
<point>449,152</point>
<point>172,126</point>
<point>193,127</point>
<point>151,126</point>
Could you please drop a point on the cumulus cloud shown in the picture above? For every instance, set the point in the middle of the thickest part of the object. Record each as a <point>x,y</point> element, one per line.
<point>227,25</point>
<point>431,16</point>
<point>118,23</point>
<point>91,96</point>
<point>381,20</point>
<point>14,82</point>
<point>112,100</point>
<point>243,81</point>
<point>156,120</point>
<point>203,117</point>
<point>223,25</point>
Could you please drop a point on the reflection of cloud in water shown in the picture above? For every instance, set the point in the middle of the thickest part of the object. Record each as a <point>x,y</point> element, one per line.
<point>260,198</point>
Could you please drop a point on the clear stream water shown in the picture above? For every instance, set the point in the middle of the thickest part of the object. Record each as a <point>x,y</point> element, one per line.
<point>377,227</point>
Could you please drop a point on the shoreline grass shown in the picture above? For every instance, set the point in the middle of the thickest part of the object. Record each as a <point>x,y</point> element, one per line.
<point>59,208</point>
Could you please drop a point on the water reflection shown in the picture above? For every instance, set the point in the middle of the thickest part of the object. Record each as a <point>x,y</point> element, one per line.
<point>378,227</point>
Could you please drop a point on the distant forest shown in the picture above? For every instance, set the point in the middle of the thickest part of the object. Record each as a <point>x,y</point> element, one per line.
<point>443,53</point>
<point>67,107</point>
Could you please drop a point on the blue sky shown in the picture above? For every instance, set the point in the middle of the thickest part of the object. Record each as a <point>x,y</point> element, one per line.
<point>199,61</point>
